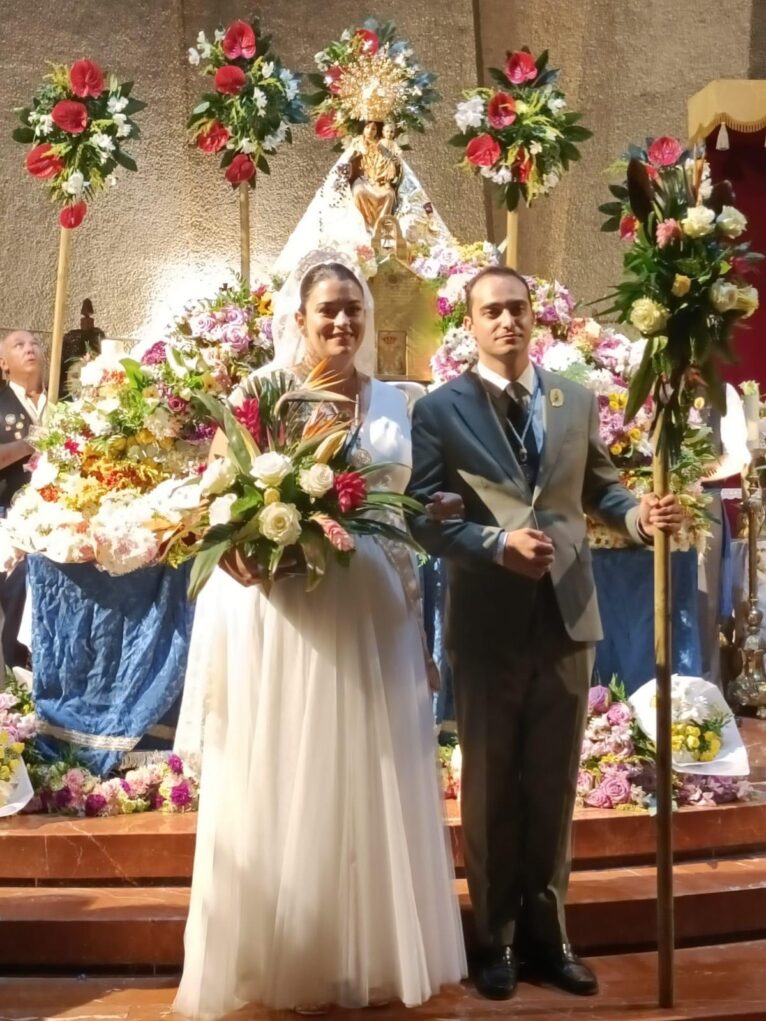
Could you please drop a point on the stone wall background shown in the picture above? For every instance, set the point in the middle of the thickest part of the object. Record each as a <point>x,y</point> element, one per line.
<point>169,232</point>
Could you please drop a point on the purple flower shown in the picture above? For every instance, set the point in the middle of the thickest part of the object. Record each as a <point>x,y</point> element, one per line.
<point>444,307</point>
<point>181,795</point>
<point>266,326</point>
<point>619,714</point>
<point>598,798</point>
<point>616,787</point>
<point>62,798</point>
<point>232,314</point>
<point>175,764</point>
<point>177,404</point>
<point>237,337</point>
<point>599,699</point>
<point>585,782</point>
<point>94,803</point>
<point>156,354</point>
<point>203,324</point>
<point>126,787</point>
<point>203,431</point>
<point>157,800</point>
<point>548,315</point>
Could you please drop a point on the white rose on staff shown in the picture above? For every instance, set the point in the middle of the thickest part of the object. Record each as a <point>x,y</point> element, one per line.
<point>698,222</point>
<point>281,523</point>
<point>747,300</point>
<point>218,476</point>
<point>219,511</point>
<point>269,469</point>
<point>317,480</point>
<point>723,295</point>
<point>648,316</point>
<point>731,222</point>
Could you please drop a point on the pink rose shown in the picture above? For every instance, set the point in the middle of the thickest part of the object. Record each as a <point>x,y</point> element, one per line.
<point>598,798</point>
<point>232,314</point>
<point>599,699</point>
<point>628,227</point>
<point>482,151</point>
<point>520,67</point>
<point>667,231</point>
<point>664,151</point>
<point>237,337</point>
<point>617,789</point>
<point>585,782</point>
<point>619,714</point>
<point>501,110</point>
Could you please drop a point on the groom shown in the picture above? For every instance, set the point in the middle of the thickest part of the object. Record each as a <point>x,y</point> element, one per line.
<point>521,446</point>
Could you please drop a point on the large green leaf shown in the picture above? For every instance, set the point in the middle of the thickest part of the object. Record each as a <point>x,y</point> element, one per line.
<point>23,135</point>
<point>204,564</point>
<point>642,382</point>
<point>124,160</point>
<point>500,77</point>
<point>314,550</point>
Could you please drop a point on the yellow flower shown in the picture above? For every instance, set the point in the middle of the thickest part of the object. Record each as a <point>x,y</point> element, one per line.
<point>692,743</point>
<point>710,735</point>
<point>699,403</point>
<point>635,434</point>
<point>707,756</point>
<point>5,774</point>
<point>681,285</point>
<point>616,449</point>
<point>271,496</point>
<point>264,305</point>
<point>144,437</point>
<point>614,402</point>
<point>17,747</point>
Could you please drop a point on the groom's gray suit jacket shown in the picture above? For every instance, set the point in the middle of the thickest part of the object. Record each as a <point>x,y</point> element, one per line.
<point>459,445</point>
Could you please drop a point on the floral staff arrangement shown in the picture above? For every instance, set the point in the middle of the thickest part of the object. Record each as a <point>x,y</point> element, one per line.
<point>685,270</point>
<point>254,102</point>
<point>519,134</point>
<point>77,124</point>
<point>290,484</point>
<point>370,75</point>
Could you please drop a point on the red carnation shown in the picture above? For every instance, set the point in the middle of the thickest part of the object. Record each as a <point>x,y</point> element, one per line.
<point>664,151</point>
<point>351,491</point>
<point>501,111</point>
<point>86,79</point>
<point>72,216</point>
<point>239,41</point>
<point>520,67</point>
<point>213,138</point>
<point>522,166</point>
<point>482,151</point>
<point>334,73</point>
<point>628,227</point>
<point>230,79</point>
<point>325,126</point>
<point>70,116</point>
<point>43,162</point>
<point>369,40</point>
<point>240,169</point>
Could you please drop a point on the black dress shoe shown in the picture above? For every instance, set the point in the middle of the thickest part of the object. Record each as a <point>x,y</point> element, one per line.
<point>496,977</point>
<point>563,969</point>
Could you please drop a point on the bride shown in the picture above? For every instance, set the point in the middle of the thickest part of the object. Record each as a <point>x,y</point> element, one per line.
<point>321,874</point>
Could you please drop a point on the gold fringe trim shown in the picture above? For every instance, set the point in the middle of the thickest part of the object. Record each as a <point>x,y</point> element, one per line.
<point>746,127</point>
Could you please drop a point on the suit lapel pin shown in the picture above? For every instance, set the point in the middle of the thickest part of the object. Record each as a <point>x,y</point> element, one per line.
<point>556,398</point>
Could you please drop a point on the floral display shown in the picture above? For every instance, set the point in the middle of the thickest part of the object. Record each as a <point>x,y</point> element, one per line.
<point>449,760</point>
<point>617,762</point>
<point>519,135</point>
<point>290,480</point>
<point>18,726</point>
<point>77,124</point>
<point>370,75</point>
<point>254,102</point>
<point>684,286</point>
<point>105,484</point>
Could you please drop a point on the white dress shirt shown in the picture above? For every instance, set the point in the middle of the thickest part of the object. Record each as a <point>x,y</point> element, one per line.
<point>35,411</point>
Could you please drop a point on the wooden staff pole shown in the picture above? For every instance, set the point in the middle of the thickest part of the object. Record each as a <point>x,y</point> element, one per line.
<point>662,655</point>
<point>59,311</point>
<point>244,231</point>
<point>512,239</point>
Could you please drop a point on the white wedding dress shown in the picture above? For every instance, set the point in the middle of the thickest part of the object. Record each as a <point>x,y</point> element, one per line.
<point>322,872</point>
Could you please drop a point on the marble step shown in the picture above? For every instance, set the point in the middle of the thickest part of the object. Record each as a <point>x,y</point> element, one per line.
<point>713,983</point>
<point>129,927</point>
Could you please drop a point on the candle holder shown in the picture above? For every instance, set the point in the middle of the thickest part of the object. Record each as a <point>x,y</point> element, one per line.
<point>748,689</point>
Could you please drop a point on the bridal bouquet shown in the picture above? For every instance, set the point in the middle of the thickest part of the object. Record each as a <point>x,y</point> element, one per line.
<point>290,485</point>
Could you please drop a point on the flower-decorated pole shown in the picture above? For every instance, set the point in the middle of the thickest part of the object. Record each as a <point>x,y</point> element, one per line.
<point>683,289</point>
<point>519,135</point>
<point>248,115</point>
<point>77,123</point>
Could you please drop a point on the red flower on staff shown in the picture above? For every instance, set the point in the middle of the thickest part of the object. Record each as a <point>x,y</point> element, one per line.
<point>501,110</point>
<point>351,490</point>
<point>482,151</point>
<point>240,169</point>
<point>239,41</point>
<point>70,116</point>
<point>86,79</point>
<point>520,67</point>
<point>213,138</point>
<point>42,162</point>
<point>72,216</point>
<point>230,80</point>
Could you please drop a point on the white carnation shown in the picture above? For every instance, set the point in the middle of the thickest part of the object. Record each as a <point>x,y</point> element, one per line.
<point>117,104</point>
<point>731,222</point>
<point>270,469</point>
<point>123,128</point>
<point>723,295</point>
<point>267,70</point>
<point>281,523</point>
<point>317,480</point>
<point>75,184</point>
<point>98,424</point>
<point>698,222</point>
<point>561,356</point>
<point>44,474</point>
<point>470,113</point>
<point>193,55</point>
<point>44,125</point>
<point>218,476</point>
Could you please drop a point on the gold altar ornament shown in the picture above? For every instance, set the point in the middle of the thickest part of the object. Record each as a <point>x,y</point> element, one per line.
<point>373,87</point>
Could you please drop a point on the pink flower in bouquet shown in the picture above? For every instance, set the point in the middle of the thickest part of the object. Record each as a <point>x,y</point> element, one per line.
<point>181,795</point>
<point>70,116</point>
<point>334,73</point>
<point>664,151</point>
<point>230,80</point>
<point>667,231</point>
<point>63,798</point>
<point>86,79</point>
<point>599,699</point>
<point>368,40</point>
<point>598,798</point>
<point>444,307</point>
<point>520,67</point>
<point>350,489</point>
<point>585,782</point>
<point>619,713</point>
<point>617,788</point>
<point>628,227</point>
<point>42,162</point>
<point>240,169</point>
<point>482,151</point>
<point>237,338</point>
<point>203,324</point>
<point>213,138</point>
<point>72,216</point>
<point>248,414</point>
<point>501,110</point>
<point>156,354</point>
<point>175,764</point>
<point>95,804</point>
<point>177,404</point>
<point>336,534</point>
<point>325,127</point>
<point>239,41</point>
<point>232,314</point>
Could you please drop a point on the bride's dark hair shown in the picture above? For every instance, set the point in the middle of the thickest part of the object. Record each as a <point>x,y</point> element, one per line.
<point>324,271</point>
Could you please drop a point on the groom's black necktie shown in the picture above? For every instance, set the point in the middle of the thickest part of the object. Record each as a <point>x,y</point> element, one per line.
<point>519,409</point>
